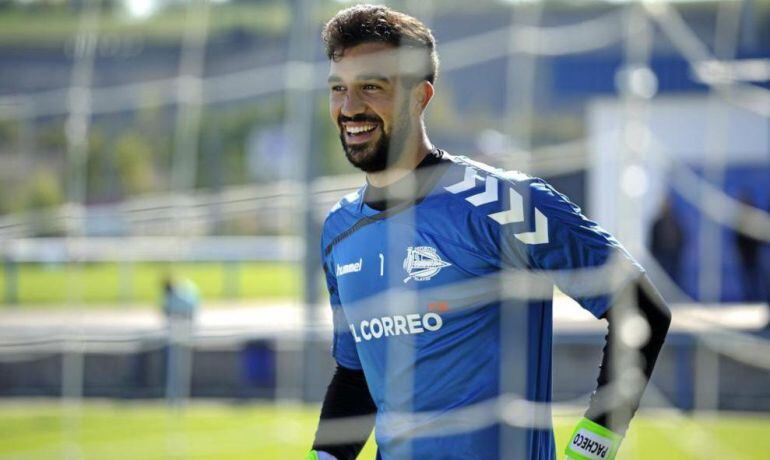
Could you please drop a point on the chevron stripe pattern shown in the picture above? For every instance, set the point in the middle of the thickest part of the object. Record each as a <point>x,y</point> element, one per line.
<point>489,194</point>
<point>514,213</point>
<point>468,182</point>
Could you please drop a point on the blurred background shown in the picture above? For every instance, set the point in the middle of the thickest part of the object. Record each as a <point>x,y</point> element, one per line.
<point>165,167</point>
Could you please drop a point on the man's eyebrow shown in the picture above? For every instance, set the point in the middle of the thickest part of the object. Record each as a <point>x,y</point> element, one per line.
<point>366,77</point>
<point>374,76</point>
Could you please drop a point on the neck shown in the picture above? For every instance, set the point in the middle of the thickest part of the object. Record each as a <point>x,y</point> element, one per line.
<point>413,154</point>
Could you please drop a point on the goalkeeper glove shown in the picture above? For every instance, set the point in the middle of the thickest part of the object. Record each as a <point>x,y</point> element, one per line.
<point>319,455</point>
<point>591,441</point>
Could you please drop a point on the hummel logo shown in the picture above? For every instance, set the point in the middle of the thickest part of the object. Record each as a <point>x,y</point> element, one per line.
<point>422,263</point>
<point>350,268</point>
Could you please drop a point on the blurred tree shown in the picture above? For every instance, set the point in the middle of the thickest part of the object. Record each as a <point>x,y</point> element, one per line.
<point>9,134</point>
<point>51,137</point>
<point>43,190</point>
<point>155,127</point>
<point>44,193</point>
<point>133,157</point>
<point>231,128</point>
<point>99,177</point>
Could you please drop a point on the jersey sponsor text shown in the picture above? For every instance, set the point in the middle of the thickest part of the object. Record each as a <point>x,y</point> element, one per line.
<point>386,326</point>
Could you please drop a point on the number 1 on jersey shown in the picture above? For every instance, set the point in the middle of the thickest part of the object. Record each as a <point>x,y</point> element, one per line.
<point>382,264</point>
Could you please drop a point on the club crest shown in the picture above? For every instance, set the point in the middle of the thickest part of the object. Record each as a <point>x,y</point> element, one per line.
<point>422,263</point>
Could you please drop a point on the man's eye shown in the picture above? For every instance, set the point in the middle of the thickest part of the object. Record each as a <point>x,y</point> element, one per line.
<point>371,87</point>
<point>337,88</point>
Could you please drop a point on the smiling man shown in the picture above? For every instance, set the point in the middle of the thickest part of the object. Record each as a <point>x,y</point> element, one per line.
<point>421,264</point>
<point>378,93</point>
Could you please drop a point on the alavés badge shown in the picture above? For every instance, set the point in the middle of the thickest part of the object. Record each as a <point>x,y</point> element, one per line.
<point>422,263</point>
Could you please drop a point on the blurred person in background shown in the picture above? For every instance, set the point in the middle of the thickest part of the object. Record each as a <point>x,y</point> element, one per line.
<point>667,240</point>
<point>442,229</point>
<point>749,252</point>
<point>766,277</point>
<point>181,302</point>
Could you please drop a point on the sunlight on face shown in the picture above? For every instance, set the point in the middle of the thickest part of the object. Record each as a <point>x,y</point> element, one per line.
<point>369,103</point>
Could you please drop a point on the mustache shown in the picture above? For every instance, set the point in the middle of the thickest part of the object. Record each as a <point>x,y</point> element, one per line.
<point>358,118</point>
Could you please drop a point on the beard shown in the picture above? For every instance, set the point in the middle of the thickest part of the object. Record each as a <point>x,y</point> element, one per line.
<point>376,155</point>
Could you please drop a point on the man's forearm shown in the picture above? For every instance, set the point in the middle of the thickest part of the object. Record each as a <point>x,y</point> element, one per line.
<point>610,407</point>
<point>347,398</point>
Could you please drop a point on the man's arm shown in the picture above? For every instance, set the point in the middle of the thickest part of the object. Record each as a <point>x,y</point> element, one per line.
<point>611,408</point>
<point>347,396</point>
<point>627,364</point>
<point>587,263</point>
<point>347,414</point>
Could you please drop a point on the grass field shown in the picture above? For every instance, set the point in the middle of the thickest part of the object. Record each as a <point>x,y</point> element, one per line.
<point>119,431</point>
<point>98,284</point>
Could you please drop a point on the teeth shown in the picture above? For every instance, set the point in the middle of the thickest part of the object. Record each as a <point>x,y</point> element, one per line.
<point>360,129</point>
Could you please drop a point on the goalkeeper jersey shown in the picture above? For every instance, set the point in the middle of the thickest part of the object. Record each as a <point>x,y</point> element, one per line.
<point>444,302</point>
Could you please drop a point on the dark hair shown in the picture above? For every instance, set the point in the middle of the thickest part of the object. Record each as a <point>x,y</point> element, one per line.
<point>374,23</point>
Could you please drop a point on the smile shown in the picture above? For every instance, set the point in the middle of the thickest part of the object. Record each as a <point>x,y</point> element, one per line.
<point>357,132</point>
<point>358,129</point>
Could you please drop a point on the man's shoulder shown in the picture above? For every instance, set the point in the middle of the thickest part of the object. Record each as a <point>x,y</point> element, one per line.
<point>483,170</point>
<point>343,212</point>
<point>481,187</point>
<point>347,202</point>
<point>473,177</point>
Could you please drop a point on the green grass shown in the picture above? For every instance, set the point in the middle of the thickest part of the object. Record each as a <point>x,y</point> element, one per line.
<point>109,283</point>
<point>120,431</point>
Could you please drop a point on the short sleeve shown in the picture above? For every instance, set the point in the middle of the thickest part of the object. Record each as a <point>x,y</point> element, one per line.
<point>581,258</point>
<point>343,344</point>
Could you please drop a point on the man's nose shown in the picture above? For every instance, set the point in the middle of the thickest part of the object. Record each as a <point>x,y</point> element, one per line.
<point>352,105</point>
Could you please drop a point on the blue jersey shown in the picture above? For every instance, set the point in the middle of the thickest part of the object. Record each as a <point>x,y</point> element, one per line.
<point>419,293</point>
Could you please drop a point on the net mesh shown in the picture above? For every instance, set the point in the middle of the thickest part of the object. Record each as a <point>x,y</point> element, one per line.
<point>180,201</point>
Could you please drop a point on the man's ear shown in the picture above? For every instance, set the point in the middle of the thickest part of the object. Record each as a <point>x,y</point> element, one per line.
<point>422,94</point>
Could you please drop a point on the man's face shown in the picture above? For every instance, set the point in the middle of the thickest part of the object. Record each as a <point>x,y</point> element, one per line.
<point>369,105</point>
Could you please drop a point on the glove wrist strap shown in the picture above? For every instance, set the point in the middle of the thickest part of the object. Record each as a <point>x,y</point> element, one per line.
<point>591,441</point>
<point>319,455</point>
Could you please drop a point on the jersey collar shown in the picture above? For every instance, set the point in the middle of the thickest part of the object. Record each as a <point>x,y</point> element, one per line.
<point>427,175</point>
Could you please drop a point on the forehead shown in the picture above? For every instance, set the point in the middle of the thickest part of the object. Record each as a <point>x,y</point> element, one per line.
<point>376,59</point>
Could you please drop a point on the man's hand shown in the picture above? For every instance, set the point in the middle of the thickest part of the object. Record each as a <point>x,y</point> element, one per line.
<point>319,455</point>
<point>591,441</point>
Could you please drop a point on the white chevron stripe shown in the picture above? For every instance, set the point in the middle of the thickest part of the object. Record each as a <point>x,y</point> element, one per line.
<point>466,184</point>
<point>540,235</point>
<point>349,198</point>
<point>515,213</point>
<point>488,195</point>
